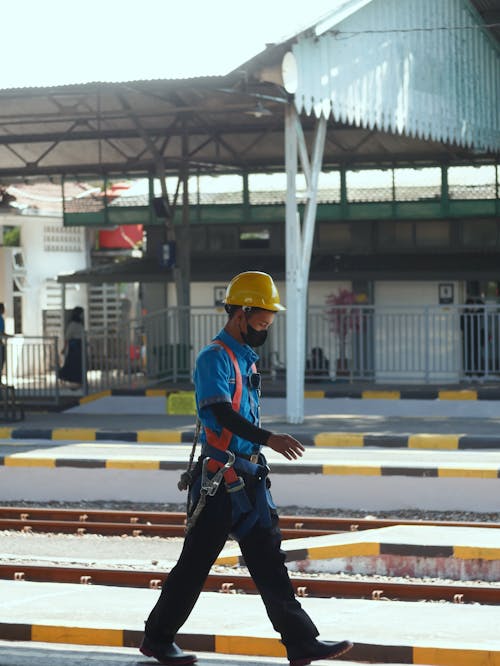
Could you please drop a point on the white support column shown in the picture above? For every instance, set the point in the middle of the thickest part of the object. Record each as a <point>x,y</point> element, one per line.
<point>298,254</point>
<point>312,198</point>
<point>295,326</point>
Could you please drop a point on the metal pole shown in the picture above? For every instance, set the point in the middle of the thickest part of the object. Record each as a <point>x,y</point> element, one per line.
<point>298,253</point>
<point>427,345</point>
<point>295,299</point>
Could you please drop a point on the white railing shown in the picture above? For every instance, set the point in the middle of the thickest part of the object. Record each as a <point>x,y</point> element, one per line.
<point>31,366</point>
<point>428,344</point>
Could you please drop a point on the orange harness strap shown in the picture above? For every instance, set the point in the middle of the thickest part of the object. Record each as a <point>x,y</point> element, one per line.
<point>223,440</point>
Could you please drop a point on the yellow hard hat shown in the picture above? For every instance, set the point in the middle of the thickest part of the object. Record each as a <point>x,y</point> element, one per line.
<point>255,290</point>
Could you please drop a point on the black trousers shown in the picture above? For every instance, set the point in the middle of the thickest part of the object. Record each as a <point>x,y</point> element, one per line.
<point>265,560</point>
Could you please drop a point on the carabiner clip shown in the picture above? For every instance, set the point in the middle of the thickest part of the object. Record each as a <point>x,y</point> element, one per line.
<point>211,486</point>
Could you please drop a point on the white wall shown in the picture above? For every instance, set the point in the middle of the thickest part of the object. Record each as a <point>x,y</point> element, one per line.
<point>48,249</point>
<point>414,292</point>
<point>432,340</point>
<point>47,254</point>
<point>319,291</point>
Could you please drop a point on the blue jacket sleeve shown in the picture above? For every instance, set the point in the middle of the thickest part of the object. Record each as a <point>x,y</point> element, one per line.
<point>213,377</point>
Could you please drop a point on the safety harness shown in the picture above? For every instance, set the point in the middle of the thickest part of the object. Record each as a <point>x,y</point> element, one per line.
<point>222,441</point>
<point>221,463</point>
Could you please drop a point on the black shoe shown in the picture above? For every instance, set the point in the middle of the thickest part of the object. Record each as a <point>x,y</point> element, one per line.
<point>169,654</point>
<point>303,653</point>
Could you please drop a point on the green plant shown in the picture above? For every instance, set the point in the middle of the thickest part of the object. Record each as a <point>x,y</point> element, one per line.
<point>12,236</point>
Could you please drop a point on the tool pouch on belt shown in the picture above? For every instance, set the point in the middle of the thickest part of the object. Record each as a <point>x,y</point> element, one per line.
<point>250,506</point>
<point>251,501</point>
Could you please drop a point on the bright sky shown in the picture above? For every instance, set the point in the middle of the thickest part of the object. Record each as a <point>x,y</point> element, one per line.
<point>46,42</point>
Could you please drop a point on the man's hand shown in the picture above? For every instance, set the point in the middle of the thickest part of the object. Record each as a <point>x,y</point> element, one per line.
<point>287,445</point>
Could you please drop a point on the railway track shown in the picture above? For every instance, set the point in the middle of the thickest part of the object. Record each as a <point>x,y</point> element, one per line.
<point>145,523</point>
<point>242,584</point>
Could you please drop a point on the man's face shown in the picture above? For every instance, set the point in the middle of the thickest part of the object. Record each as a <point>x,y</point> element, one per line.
<point>261,320</point>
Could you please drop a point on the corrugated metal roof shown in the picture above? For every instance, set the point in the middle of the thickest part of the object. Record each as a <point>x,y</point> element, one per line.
<point>416,67</point>
<point>68,87</point>
<point>119,128</point>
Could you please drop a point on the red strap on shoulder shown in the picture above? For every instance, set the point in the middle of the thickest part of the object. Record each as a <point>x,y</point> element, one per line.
<point>223,440</point>
<point>237,373</point>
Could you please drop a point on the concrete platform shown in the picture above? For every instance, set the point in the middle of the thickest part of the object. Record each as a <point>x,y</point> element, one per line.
<point>488,390</point>
<point>457,553</point>
<point>404,632</point>
<point>329,422</point>
<point>364,478</point>
<point>41,654</point>
<point>445,404</point>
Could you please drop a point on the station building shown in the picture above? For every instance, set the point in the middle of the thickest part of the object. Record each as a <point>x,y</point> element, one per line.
<point>383,119</point>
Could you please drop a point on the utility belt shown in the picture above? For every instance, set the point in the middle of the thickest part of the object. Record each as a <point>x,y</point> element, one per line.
<point>253,458</point>
<point>241,460</point>
<point>251,500</point>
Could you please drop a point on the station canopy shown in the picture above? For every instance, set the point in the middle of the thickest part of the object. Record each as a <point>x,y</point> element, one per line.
<point>227,124</point>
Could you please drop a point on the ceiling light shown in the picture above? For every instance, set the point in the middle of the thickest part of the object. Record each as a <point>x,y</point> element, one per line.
<point>259,111</point>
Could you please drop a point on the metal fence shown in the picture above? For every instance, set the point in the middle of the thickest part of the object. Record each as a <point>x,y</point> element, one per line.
<point>31,366</point>
<point>365,343</point>
<point>408,344</point>
<point>358,342</point>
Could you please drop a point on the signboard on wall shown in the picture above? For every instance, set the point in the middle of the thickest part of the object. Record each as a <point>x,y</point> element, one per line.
<point>445,293</point>
<point>219,296</point>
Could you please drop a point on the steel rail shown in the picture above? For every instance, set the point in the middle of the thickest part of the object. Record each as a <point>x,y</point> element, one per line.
<point>123,529</point>
<point>151,523</point>
<point>234,584</point>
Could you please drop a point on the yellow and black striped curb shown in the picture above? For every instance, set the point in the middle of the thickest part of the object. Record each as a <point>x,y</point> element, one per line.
<point>418,393</point>
<point>374,549</point>
<point>158,436</point>
<point>411,394</point>
<point>416,441</point>
<point>341,440</point>
<point>415,470</point>
<point>247,645</point>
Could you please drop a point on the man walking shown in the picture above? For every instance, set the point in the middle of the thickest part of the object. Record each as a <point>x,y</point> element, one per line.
<point>229,488</point>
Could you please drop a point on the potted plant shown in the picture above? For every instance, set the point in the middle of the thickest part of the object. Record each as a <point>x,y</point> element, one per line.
<point>343,319</point>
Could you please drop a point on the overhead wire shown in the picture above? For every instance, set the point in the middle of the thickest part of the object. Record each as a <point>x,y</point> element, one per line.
<point>347,34</point>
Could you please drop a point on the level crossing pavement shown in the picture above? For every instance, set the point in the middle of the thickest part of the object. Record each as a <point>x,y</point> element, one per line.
<point>382,631</point>
<point>41,654</point>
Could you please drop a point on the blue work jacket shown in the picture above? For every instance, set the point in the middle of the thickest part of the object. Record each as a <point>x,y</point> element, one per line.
<point>214,379</point>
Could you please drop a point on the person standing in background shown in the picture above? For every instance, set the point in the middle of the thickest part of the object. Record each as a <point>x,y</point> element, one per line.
<point>3,337</point>
<point>72,370</point>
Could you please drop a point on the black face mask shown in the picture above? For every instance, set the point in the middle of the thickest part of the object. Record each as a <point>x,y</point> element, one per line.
<point>253,337</point>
